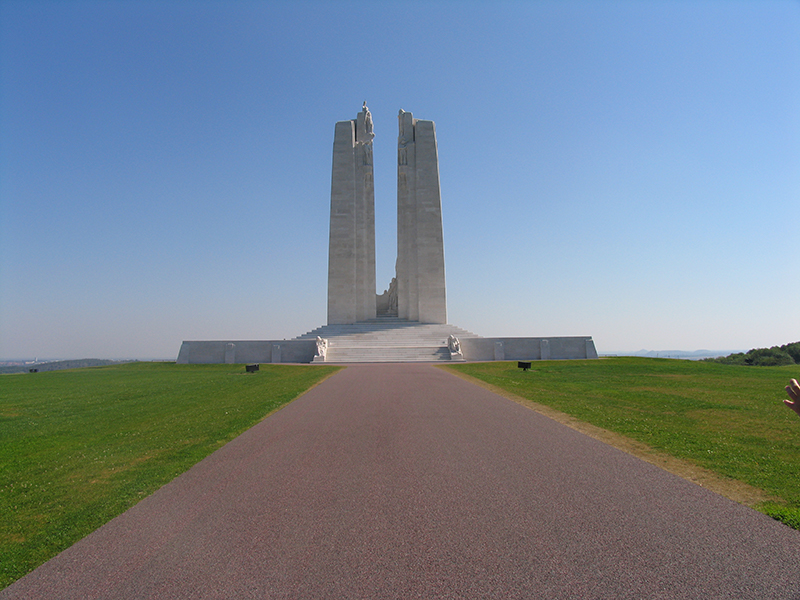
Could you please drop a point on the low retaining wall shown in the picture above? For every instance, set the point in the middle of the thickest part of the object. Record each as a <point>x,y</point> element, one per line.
<point>303,351</point>
<point>238,352</point>
<point>554,348</point>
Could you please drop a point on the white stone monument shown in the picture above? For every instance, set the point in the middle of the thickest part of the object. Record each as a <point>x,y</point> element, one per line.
<point>421,292</point>
<point>351,256</point>
<point>418,291</point>
<point>414,307</point>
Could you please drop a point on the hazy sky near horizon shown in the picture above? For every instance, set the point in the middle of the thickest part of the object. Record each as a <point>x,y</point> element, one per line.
<point>625,170</point>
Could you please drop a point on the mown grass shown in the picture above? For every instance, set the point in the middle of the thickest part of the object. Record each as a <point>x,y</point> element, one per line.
<point>728,419</point>
<point>79,447</point>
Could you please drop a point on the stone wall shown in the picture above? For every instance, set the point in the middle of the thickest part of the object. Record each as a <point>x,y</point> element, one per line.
<point>240,352</point>
<point>303,351</point>
<point>512,348</point>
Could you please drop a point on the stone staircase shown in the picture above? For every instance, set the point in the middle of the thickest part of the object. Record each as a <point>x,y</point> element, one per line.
<point>387,339</point>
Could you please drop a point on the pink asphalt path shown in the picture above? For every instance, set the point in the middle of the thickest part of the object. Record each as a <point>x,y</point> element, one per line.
<point>404,481</point>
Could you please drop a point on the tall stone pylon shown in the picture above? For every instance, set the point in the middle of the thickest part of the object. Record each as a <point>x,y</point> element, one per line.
<point>421,294</point>
<point>351,256</point>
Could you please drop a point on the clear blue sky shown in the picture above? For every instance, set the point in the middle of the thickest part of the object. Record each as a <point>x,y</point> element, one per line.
<point>625,170</point>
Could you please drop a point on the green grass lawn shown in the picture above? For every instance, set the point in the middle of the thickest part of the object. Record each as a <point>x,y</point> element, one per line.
<point>79,447</point>
<point>728,419</point>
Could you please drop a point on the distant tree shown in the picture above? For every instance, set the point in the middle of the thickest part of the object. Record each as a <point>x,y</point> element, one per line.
<point>793,350</point>
<point>768,357</point>
<point>731,359</point>
<point>776,356</point>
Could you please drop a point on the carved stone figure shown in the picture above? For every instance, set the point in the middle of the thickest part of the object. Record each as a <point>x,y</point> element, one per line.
<point>365,135</point>
<point>403,139</point>
<point>322,347</point>
<point>454,345</point>
<point>367,122</point>
<point>393,296</point>
<point>364,131</point>
<point>386,303</point>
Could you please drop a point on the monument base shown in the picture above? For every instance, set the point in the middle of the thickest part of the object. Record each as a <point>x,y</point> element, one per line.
<point>519,348</point>
<point>240,352</point>
<point>388,339</point>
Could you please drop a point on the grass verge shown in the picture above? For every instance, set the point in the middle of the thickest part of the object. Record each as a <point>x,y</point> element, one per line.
<point>79,447</point>
<point>726,420</point>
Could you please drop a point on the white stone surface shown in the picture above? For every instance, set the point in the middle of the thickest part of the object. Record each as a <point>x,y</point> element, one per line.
<point>420,282</point>
<point>518,348</point>
<point>394,340</point>
<point>351,256</point>
<point>247,351</point>
<point>421,294</point>
<point>388,339</point>
<point>499,351</point>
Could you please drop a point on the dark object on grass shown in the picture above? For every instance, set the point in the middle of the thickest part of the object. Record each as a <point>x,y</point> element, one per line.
<point>33,370</point>
<point>524,365</point>
<point>251,368</point>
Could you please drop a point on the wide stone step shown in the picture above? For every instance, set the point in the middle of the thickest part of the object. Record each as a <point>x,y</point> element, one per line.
<point>388,328</point>
<point>372,340</point>
<point>387,340</point>
<point>385,354</point>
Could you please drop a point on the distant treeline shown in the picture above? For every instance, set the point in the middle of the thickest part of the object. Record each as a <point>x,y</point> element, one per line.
<point>58,365</point>
<point>788,354</point>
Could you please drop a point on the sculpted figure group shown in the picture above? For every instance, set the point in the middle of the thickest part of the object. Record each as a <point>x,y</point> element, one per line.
<point>322,347</point>
<point>454,345</point>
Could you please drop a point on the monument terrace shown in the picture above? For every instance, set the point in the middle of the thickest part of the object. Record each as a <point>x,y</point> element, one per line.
<point>408,321</point>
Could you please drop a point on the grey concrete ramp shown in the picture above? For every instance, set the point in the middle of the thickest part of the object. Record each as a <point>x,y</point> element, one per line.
<point>403,481</point>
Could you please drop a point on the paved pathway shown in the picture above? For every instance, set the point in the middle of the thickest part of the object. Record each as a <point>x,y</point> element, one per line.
<point>403,481</point>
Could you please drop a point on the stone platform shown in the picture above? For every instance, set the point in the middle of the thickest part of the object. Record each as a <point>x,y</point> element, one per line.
<point>387,339</point>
